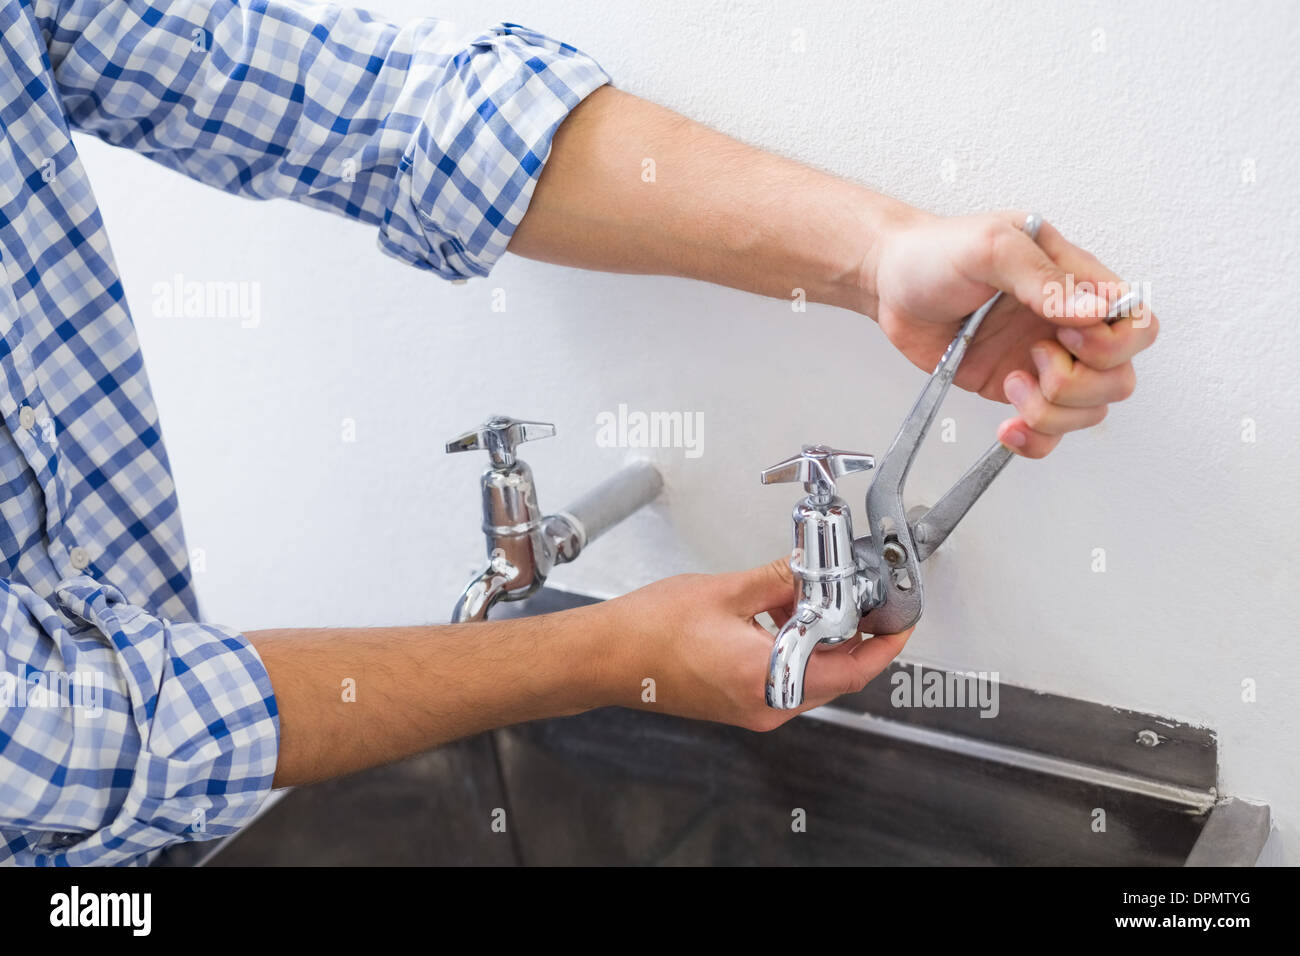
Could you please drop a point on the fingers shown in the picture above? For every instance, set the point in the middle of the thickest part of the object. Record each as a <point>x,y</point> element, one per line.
<point>848,668</point>
<point>1078,377</point>
<point>1043,415</point>
<point>1063,381</point>
<point>782,614</point>
<point>1090,363</point>
<point>1111,346</point>
<point>873,656</point>
<point>1024,441</point>
<point>1066,397</point>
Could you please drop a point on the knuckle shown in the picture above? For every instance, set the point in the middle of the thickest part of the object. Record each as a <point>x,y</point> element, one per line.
<point>992,237</point>
<point>1036,448</point>
<point>1012,219</point>
<point>1052,385</point>
<point>1047,274</point>
<point>1107,353</point>
<point>1127,383</point>
<point>1113,358</point>
<point>780,569</point>
<point>1035,415</point>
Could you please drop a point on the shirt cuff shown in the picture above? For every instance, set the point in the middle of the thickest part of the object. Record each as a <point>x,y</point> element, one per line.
<point>209,730</point>
<point>476,157</point>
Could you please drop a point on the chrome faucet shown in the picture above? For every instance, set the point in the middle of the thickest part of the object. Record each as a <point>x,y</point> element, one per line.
<point>872,584</point>
<point>831,588</point>
<point>523,543</point>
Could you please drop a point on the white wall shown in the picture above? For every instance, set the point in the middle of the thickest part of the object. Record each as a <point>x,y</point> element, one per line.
<point>1136,151</point>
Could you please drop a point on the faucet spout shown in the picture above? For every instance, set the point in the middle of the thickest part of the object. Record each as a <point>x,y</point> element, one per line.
<point>490,586</point>
<point>827,613</point>
<point>790,654</point>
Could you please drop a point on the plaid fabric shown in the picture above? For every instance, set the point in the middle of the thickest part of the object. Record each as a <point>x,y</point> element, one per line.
<point>125,724</point>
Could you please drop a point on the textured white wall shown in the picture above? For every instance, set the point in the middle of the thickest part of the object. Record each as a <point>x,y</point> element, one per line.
<point>1129,126</point>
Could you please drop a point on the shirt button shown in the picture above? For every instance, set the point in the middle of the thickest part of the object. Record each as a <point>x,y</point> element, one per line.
<point>26,417</point>
<point>80,557</point>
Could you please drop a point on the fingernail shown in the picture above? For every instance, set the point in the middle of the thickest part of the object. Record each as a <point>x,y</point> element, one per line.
<point>1070,338</point>
<point>1017,389</point>
<point>1015,438</point>
<point>1042,361</point>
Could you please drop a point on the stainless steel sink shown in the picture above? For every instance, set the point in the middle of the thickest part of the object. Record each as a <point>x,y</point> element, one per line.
<point>870,782</point>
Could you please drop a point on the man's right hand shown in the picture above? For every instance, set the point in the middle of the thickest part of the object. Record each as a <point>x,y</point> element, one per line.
<point>1053,358</point>
<point>695,637</point>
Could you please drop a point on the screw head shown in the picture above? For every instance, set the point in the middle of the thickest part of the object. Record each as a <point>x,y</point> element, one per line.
<point>1148,738</point>
<point>894,554</point>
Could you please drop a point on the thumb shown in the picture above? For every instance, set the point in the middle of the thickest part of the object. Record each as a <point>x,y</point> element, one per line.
<point>1024,268</point>
<point>766,586</point>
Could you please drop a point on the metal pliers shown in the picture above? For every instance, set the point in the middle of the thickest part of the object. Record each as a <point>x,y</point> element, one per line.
<point>846,585</point>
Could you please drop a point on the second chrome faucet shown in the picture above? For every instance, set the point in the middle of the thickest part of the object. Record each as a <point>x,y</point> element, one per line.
<point>523,543</point>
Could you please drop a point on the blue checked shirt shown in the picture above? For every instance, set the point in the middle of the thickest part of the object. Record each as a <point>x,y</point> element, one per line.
<point>126,724</point>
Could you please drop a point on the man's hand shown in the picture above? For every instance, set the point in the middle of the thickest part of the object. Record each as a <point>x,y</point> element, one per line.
<point>1051,357</point>
<point>695,637</point>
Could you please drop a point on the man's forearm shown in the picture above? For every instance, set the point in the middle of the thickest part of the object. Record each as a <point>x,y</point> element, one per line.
<point>715,209</point>
<point>351,698</point>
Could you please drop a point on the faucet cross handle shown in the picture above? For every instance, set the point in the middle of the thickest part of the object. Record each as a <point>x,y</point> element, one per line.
<point>818,466</point>
<point>499,436</point>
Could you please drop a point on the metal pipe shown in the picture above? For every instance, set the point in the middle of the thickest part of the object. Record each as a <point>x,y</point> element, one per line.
<point>614,499</point>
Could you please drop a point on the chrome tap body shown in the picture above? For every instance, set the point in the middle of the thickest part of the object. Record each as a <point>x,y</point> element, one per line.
<point>830,587</point>
<point>523,543</point>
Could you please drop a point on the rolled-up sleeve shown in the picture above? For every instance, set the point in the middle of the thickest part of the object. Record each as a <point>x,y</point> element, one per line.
<point>122,733</point>
<point>435,136</point>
